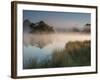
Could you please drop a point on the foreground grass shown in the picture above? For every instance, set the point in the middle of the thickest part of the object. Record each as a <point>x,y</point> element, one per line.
<point>75,54</point>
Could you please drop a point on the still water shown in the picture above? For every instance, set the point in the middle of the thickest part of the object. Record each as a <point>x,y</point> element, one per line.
<point>41,46</point>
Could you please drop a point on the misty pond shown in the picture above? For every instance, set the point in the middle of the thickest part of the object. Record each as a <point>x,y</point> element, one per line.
<point>54,39</point>
<point>38,48</point>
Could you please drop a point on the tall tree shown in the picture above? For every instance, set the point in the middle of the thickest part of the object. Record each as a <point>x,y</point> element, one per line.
<point>87,28</point>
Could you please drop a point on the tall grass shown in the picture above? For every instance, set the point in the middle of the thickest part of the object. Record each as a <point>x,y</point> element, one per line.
<point>74,54</point>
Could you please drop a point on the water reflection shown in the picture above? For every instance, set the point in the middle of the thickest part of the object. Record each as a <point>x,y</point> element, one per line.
<point>41,46</point>
<point>38,40</point>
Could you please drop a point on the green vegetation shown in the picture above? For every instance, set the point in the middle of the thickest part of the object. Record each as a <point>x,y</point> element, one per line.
<point>75,54</point>
<point>41,27</point>
<point>87,28</point>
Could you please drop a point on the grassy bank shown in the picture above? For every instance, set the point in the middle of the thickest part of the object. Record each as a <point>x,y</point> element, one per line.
<point>74,54</point>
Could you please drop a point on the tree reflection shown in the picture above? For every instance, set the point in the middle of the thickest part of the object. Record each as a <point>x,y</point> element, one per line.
<point>40,40</point>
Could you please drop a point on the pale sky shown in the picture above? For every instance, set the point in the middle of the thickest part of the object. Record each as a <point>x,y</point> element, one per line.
<point>58,19</point>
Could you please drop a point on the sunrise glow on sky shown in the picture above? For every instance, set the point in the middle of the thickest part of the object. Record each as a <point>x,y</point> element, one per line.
<point>58,19</point>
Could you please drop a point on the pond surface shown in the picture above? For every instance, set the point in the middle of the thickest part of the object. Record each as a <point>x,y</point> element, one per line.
<point>41,46</point>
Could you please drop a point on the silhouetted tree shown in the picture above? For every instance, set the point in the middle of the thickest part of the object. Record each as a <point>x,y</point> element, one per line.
<point>41,27</point>
<point>76,30</point>
<point>87,28</point>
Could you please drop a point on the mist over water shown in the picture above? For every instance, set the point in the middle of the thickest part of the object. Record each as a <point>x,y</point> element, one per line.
<point>41,46</point>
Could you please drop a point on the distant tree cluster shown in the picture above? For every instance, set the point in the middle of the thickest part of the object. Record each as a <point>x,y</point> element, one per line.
<point>86,28</point>
<point>41,27</point>
<point>76,30</point>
